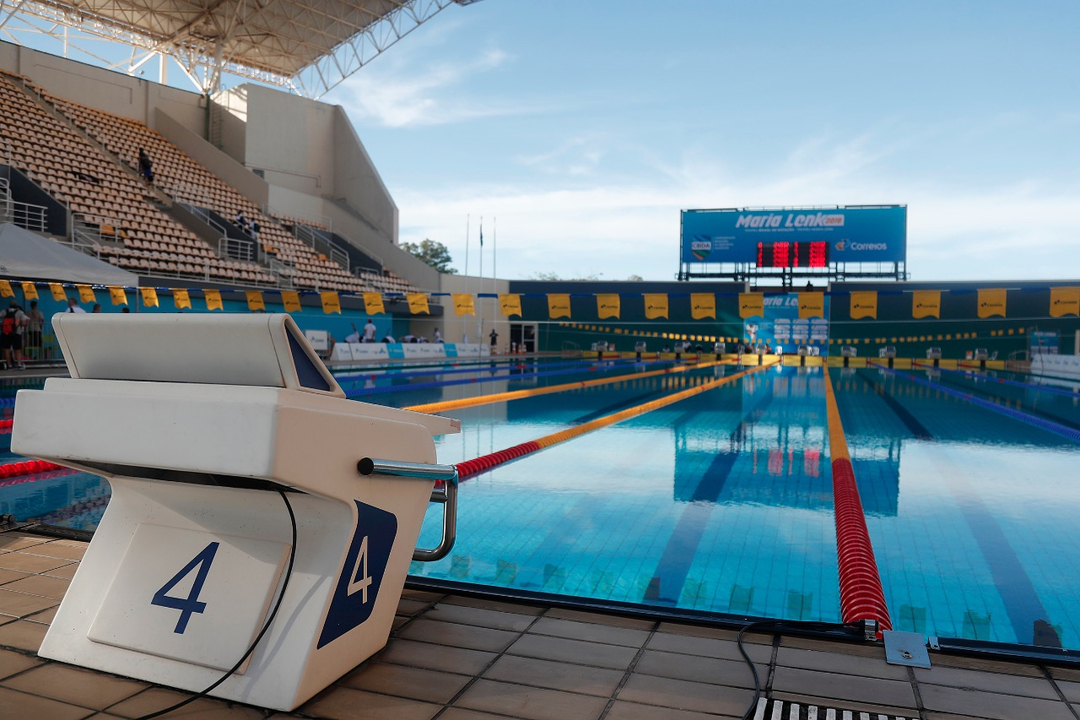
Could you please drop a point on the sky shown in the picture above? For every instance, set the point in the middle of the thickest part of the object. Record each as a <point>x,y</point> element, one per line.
<point>579,130</point>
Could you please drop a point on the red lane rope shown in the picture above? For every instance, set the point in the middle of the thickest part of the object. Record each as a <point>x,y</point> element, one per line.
<point>37,477</point>
<point>28,467</point>
<point>861,594</point>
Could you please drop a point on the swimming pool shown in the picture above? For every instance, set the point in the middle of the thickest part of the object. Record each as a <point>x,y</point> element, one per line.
<point>722,503</point>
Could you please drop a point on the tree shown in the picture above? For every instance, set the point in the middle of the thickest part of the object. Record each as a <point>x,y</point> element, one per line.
<point>433,253</point>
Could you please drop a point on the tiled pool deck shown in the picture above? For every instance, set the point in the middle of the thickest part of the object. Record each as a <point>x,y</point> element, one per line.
<point>462,658</point>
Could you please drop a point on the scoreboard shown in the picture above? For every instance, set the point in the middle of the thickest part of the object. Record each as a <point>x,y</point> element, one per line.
<point>793,254</point>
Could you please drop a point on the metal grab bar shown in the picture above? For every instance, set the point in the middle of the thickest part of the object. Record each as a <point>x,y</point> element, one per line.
<point>447,495</point>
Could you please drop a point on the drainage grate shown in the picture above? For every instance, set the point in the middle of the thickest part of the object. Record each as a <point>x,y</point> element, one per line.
<point>786,710</point>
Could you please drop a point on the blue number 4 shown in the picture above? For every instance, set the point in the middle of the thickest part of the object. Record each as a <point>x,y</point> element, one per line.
<point>191,603</point>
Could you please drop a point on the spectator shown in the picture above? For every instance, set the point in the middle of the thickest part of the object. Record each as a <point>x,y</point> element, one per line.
<point>354,336</point>
<point>389,339</point>
<point>34,330</point>
<point>254,229</point>
<point>494,340</point>
<point>11,336</point>
<point>369,331</point>
<point>146,168</point>
<point>126,309</point>
<point>73,306</point>
<point>438,336</point>
<point>97,308</point>
<point>240,221</point>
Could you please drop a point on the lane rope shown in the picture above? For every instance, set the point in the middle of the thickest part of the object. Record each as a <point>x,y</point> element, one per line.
<point>861,594</point>
<point>468,468</point>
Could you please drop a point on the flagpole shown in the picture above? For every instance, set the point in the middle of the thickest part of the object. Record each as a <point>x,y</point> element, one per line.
<point>494,266</point>
<point>468,217</point>
<point>480,318</point>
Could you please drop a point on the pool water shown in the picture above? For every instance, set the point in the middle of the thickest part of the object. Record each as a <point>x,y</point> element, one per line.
<point>722,503</point>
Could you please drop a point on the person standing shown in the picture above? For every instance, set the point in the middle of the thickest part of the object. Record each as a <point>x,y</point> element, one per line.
<point>438,336</point>
<point>146,168</point>
<point>73,306</point>
<point>11,336</point>
<point>494,336</point>
<point>369,331</point>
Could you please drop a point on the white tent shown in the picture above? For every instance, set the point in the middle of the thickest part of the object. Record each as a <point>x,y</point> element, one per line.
<point>27,256</point>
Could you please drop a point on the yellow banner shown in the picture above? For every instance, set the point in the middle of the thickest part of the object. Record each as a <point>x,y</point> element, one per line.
<point>291,300</point>
<point>86,294</point>
<point>255,300</point>
<point>926,303</point>
<point>213,300</point>
<point>1064,301</point>
<point>463,304</point>
<point>608,306</point>
<point>331,303</point>
<point>58,293</point>
<point>5,289</point>
<point>418,303</point>
<point>702,305</point>
<point>149,297</point>
<point>811,304</point>
<point>373,303</point>
<point>863,305</point>
<point>181,299</point>
<point>992,302</point>
<point>751,305</point>
<point>118,296</point>
<point>510,304</point>
<point>656,306</point>
<point>558,306</point>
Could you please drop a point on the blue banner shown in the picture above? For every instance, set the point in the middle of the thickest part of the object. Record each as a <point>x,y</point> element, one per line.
<point>781,326</point>
<point>853,234</point>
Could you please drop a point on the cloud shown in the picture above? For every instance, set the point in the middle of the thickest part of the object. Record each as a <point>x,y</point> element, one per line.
<point>397,95</point>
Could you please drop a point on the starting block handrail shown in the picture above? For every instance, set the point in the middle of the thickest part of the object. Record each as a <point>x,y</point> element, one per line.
<point>447,495</point>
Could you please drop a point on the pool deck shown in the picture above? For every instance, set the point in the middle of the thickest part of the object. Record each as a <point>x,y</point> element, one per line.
<point>464,658</point>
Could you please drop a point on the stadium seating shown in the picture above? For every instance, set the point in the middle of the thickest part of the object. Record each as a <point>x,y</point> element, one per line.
<point>182,178</point>
<point>130,231</point>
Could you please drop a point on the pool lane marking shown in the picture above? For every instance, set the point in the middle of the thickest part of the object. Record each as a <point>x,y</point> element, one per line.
<point>1014,586</point>
<point>1003,401</point>
<point>533,392</point>
<point>1026,386</point>
<point>861,594</point>
<point>468,468</point>
<point>1024,417</point>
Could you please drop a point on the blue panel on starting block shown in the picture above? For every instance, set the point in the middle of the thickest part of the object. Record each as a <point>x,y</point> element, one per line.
<point>361,576</point>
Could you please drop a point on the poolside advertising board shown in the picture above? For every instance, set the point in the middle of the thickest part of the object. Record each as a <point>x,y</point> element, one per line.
<point>795,237</point>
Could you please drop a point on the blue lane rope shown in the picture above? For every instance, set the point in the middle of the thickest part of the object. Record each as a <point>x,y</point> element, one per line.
<point>1024,417</point>
<point>354,377</point>
<point>1027,386</point>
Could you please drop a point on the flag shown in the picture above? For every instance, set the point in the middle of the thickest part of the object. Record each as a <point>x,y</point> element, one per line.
<point>926,303</point>
<point>255,300</point>
<point>118,295</point>
<point>86,294</point>
<point>181,299</point>
<point>702,305</point>
<point>751,305</point>
<point>373,303</point>
<point>607,305</point>
<point>418,303</point>
<point>510,304</point>
<point>811,304</point>
<point>58,293</point>
<point>558,305</point>
<point>5,289</point>
<point>656,306</point>
<point>290,299</point>
<point>213,299</point>
<point>149,296</point>
<point>463,304</point>
<point>863,305</point>
<point>992,302</point>
<point>481,232</point>
<point>1064,301</point>
<point>331,302</point>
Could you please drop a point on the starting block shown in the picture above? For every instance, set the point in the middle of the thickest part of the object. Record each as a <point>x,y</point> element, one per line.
<point>234,458</point>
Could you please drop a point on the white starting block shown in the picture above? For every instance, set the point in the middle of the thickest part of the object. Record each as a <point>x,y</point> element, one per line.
<point>218,433</point>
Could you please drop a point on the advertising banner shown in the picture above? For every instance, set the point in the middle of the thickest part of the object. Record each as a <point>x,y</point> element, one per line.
<point>853,234</point>
<point>992,302</point>
<point>780,324</point>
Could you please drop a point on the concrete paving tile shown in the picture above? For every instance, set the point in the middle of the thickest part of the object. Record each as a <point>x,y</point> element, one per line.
<point>75,685</point>
<point>399,622</point>
<point>455,713</point>
<point>456,635</point>
<point>590,632</point>
<point>714,633</point>
<point>342,703</point>
<point>42,585</point>
<point>19,605</point>
<point>414,683</point>
<point>12,541</point>
<point>64,571</point>
<point>939,698</point>
<point>987,682</point>
<point>872,709</point>
<point>1071,690</point>
<point>709,647</point>
<point>156,699</point>
<point>12,663</point>
<point>601,619</point>
<point>712,671</point>
<point>15,705</point>
<point>684,695</point>
<point>986,665</point>
<point>32,564</point>
<point>422,595</point>
<point>555,675</point>
<point>572,651</point>
<point>837,662</point>
<point>409,607</point>
<point>481,617</point>
<point>621,710</point>
<point>529,702</point>
<point>869,650</point>
<point>45,617</point>
<point>843,688</point>
<point>7,576</point>
<point>435,657</point>
<point>1070,674</point>
<point>500,605</point>
<point>22,635</point>
<point>57,549</point>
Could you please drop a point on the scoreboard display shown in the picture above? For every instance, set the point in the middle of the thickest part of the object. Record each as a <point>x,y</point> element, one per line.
<point>793,254</point>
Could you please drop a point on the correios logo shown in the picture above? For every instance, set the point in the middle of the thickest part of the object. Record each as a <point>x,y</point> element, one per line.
<point>858,246</point>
